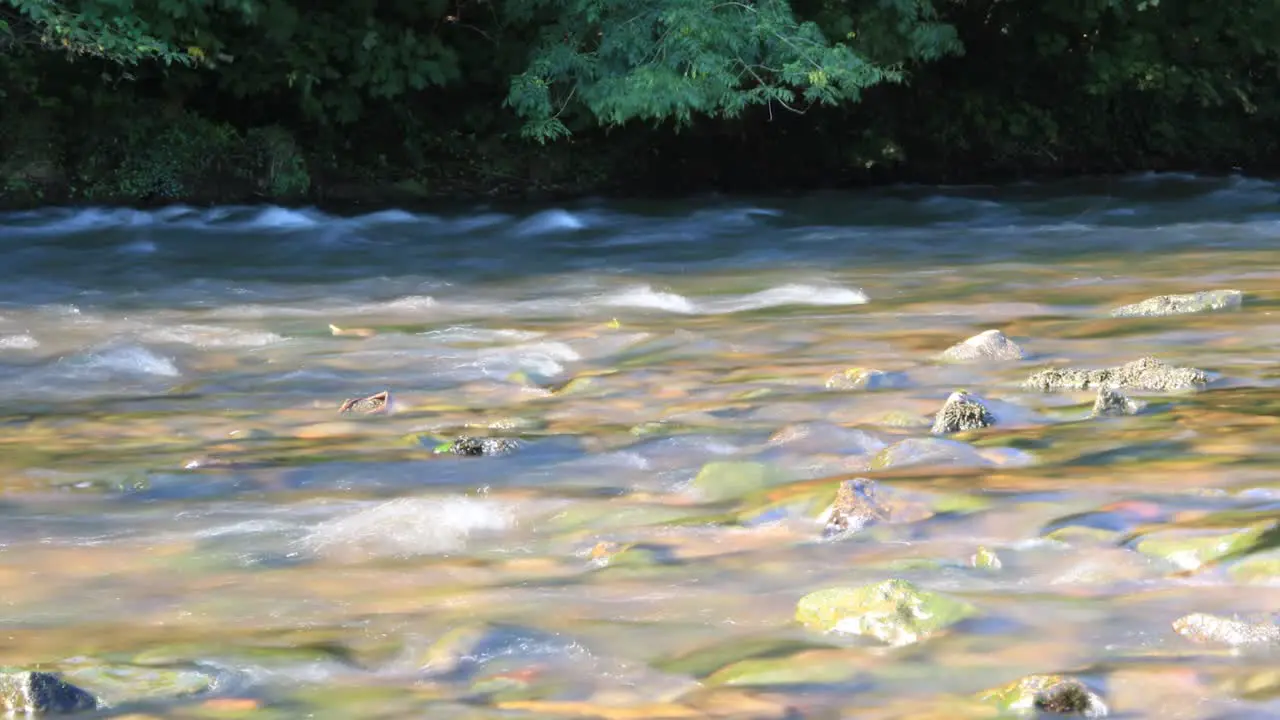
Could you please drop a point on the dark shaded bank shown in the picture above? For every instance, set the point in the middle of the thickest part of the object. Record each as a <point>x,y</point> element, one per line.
<point>185,158</point>
<point>404,104</point>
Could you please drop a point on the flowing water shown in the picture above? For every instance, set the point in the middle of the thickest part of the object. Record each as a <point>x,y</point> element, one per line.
<point>189,523</point>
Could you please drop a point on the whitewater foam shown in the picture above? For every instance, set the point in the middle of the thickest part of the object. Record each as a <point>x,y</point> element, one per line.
<point>405,527</point>
<point>791,294</point>
<point>18,342</point>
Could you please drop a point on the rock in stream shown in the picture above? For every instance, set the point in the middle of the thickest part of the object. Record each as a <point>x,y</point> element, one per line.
<point>467,445</point>
<point>1146,373</point>
<point>986,345</point>
<point>1162,305</point>
<point>1112,402</point>
<point>962,412</point>
<point>895,611</point>
<point>856,506</point>
<point>1035,695</point>
<point>41,693</point>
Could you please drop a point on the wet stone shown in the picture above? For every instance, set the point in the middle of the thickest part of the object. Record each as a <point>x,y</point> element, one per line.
<point>1112,402</point>
<point>469,446</point>
<point>986,345</point>
<point>1206,628</point>
<point>1147,373</point>
<point>31,693</point>
<point>895,611</point>
<point>856,506</point>
<point>1162,305</point>
<point>962,412</point>
<point>1047,694</point>
<point>866,379</point>
<point>371,405</point>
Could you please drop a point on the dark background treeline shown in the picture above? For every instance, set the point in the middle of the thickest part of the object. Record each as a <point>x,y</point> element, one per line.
<point>396,101</point>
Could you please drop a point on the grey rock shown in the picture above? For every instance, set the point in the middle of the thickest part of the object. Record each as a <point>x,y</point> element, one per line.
<point>1113,402</point>
<point>32,693</point>
<point>962,412</point>
<point>1203,301</point>
<point>856,506</point>
<point>986,345</point>
<point>1146,373</point>
<point>473,446</point>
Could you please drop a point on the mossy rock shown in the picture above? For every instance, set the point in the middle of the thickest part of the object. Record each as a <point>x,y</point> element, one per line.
<point>1196,551</point>
<point>807,667</point>
<point>1035,695</point>
<point>703,661</point>
<point>894,611</point>
<point>729,479</point>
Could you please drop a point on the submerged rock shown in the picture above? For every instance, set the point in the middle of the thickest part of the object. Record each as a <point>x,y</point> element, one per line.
<point>475,446</point>
<point>465,649</point>
<point>1113,402</point>
<point>633,555</point>
<point>1193,548</point>
<point>727,479</point>
<point>31,693</point>
<point>825,437</point>
<point>856,506</point>
<point>376,403</point>
<point>894,611</point>
<point>1205,628</point>
<point>942,452</point>
<point>962,412</point>
<point>866,379</point>
<point>1054,694</point>
<point>1146,373</point>
<point>986,345</point>
<point>1203,301</point>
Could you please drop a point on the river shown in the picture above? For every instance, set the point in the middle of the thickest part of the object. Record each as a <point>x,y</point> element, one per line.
<point>190,529</point>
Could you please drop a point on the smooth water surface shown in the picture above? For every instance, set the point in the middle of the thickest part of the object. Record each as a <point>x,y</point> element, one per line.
<point>181,498</point>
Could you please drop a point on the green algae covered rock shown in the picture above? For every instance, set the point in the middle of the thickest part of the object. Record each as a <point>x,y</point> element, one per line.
<point>894,611</point>
<point>1047,694</point>
<point>807,667</point>
<point>1191,549</point>
<point>1198,302</point>
<point>728,479</point>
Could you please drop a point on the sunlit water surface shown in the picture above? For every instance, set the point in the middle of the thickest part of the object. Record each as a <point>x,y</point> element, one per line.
<point>181,496</point>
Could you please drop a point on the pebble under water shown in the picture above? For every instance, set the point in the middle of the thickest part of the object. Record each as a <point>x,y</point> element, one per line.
<point>705,468</point>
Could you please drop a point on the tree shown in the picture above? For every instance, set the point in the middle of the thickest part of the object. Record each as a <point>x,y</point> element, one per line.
<point>619,60</point>
<point>108,29</point>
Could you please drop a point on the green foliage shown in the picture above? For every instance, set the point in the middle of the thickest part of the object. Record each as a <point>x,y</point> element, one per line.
<point>674,59</point>
<point>107,29</point>
<point>277,163</point>
<point>187,99</point>
<point>159,158</point>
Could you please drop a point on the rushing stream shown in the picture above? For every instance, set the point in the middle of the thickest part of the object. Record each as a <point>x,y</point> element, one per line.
<point>190,529</point>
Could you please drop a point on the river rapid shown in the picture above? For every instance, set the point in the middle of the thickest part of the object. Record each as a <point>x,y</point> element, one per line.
<point>190,529</point>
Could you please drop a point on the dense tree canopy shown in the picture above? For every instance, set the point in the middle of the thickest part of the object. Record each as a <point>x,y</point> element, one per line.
<point>192,97</point>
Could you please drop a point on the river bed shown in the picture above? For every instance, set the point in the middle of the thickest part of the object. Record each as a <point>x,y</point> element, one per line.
<point>189,528</point>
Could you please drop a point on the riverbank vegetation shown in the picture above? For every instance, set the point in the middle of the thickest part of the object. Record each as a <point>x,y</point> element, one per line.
<point>401,101</point>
